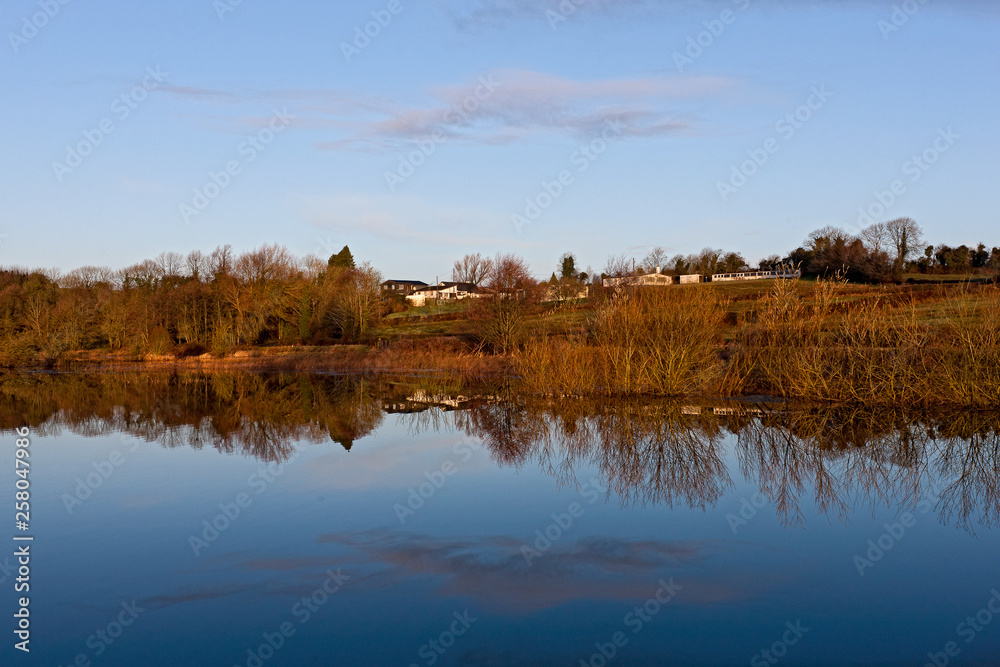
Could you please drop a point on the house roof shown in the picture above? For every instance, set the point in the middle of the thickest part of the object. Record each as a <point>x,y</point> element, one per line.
<point>405,282</point>
<point>461,287</point>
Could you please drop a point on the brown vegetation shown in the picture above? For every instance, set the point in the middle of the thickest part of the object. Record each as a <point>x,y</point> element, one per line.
<point>826,344</point>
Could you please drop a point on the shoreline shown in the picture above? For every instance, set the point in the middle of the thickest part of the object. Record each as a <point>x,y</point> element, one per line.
<point>334,359</point>
<point>467,370</point>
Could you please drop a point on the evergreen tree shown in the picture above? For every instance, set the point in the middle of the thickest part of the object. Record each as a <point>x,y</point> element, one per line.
<point>567,266</point>
<point>342,260</point>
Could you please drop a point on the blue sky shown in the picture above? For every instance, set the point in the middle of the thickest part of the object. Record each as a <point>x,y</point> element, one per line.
<point>319,140</point>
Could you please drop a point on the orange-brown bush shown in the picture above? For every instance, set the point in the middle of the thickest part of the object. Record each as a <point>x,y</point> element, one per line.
<point>832,344</point>
<point>649,341</point>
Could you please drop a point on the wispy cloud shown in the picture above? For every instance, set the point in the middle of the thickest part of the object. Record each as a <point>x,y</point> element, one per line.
<point>498,107</point>
<point>505,106</point>
<point>498,13</point>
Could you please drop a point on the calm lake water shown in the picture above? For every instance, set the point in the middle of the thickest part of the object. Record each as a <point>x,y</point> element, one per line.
<point>316,520</point>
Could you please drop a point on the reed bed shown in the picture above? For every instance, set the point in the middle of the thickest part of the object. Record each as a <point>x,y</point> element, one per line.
<point>639,342</point>
<point>828,343</point>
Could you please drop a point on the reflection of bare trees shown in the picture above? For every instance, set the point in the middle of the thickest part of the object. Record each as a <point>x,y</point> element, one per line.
<point>784,453</point>
<point>969,456</point>
<point>654,454</point>
<point>879,459</point>
<point>841,459</point>
<point>255,415</point>
<point>510,429</point>
<point>646,453</point>
<point>845,458</point>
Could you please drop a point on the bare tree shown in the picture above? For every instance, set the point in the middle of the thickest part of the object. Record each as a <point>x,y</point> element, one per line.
<point>905,237</point>
<point>146,273</point>
<point>502,310</point>
<point>312,267</point>
<point>471,269</point>
<point>197,264</point>
<point>53,273</point>
<point>825,236</point>
<point>88,276</point>
<point>220,262</point>
<point>619,265</point>
<point>170,263</point>
<point>655,259</point>
<point>266,264</point>
<point>356,305</point>
<point>875,236</point>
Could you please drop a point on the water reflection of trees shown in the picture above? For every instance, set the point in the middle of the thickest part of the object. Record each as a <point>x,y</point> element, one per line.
<point>842,460</point>
<point>255,415</point>
<point>645,453</point>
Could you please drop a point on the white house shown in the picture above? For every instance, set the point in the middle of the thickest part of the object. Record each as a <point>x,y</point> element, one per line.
<point>445,291</point>
<point>644,280</point>
<point>757,275</point>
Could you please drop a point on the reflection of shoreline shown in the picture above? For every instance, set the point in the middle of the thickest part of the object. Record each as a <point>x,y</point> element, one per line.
<point>650,451</point>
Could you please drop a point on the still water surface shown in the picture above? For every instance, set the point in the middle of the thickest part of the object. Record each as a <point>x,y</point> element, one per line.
<point>315,520</point>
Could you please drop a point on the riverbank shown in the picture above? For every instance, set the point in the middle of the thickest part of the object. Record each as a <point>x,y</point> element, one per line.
<point>821,341</point>
<point>436,356</point>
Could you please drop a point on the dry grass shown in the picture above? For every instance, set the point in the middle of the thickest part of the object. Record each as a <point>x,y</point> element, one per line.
<point>641,341</point>
<point>818,341</point>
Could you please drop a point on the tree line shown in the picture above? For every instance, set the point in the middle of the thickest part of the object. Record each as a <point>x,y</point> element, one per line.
<point>198,302</point>
<point>214,302</point>
<point>881,252</point>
